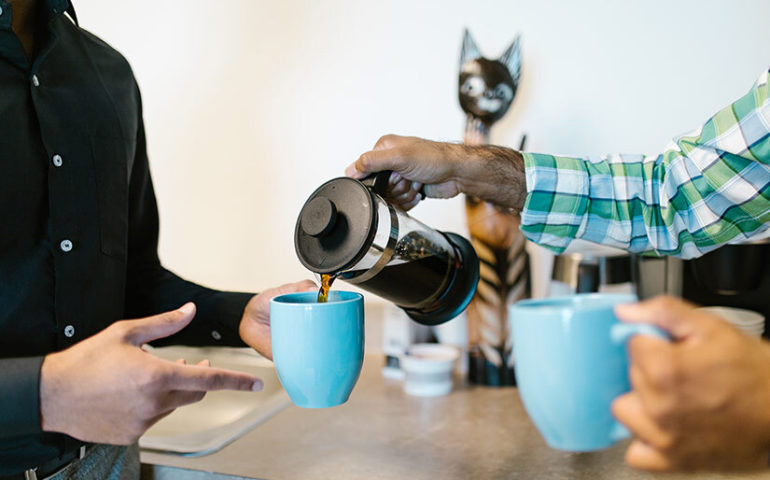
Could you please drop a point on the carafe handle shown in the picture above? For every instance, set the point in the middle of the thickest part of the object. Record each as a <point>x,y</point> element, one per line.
<point>378,182</point>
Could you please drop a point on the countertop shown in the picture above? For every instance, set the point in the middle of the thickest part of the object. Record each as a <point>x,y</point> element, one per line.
<point>382,433</point>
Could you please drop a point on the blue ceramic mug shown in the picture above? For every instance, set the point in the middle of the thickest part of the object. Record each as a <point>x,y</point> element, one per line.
<point>571,363</point>
<point>318,348</point>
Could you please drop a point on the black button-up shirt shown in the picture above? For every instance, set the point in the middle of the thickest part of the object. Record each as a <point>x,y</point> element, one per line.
<point>78,221</point>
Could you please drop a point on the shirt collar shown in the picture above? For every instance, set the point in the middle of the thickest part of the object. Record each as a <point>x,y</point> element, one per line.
<point>56,7</point>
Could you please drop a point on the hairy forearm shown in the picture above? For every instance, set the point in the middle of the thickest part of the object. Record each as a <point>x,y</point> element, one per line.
<point>491,173</point>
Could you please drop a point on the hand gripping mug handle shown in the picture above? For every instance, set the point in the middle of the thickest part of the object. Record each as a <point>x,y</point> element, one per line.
<point>620,333</point>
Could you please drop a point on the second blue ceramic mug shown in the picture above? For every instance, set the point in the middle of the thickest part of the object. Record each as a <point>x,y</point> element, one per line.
<point>571,363</point>
<point>318,348</point>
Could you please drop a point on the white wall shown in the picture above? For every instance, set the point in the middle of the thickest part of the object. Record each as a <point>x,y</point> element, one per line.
<point>250,105</point>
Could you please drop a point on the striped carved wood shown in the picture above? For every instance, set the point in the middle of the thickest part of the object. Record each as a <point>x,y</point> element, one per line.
<point>504,269</point>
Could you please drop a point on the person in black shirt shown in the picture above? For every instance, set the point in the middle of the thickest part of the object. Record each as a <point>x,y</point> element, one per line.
<point>78,252</point>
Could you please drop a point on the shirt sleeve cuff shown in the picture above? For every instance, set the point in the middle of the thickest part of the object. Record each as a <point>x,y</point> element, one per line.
<point>557,199</point>
<point>20,398</point>
<point>225,309</point>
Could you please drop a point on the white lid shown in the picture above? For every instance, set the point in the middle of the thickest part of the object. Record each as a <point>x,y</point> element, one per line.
<point>429,358</point>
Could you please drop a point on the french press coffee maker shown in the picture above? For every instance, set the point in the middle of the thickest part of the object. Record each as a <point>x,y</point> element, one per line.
<point>347,228</point>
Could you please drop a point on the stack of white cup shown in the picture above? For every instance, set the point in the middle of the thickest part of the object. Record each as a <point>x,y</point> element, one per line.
<point>748,321</point>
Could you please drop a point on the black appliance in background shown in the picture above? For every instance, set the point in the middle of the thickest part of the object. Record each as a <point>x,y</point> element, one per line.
<point>733,276</point>
<point>730,276</point>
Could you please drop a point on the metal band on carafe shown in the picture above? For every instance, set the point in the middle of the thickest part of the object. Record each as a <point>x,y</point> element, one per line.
<point>387,252</point>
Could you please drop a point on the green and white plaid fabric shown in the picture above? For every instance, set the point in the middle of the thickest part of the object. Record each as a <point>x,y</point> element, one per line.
<point>709,187</point>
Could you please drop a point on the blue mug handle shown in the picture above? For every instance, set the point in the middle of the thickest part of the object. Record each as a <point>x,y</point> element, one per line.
<point>620,333</point>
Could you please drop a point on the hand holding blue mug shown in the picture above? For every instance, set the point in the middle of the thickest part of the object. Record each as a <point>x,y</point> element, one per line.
<point>700,401</point>
<point>318,348</point>
<point>571,363</point>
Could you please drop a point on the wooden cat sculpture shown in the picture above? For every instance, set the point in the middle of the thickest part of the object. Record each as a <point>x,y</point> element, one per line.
<point>486,91</point>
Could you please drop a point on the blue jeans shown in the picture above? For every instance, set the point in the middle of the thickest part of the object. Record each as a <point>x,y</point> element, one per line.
<point>103,462</point>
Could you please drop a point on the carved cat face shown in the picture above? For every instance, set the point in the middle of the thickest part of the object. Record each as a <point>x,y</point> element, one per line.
<point>487,87</point>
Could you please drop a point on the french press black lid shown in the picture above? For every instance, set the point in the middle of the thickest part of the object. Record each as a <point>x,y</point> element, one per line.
<point>346,228</point>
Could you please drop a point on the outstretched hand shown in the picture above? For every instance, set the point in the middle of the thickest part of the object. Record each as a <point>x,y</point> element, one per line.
<point>106,389</point>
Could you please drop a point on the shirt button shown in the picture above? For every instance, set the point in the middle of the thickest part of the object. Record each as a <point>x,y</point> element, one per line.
<point>35,81</point>
<point>65,245</point>
<point>69,331</point>
<point>216,335</point>
<point>57,161</point>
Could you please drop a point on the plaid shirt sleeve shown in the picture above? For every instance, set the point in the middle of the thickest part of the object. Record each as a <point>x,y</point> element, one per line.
<point>709,187</point>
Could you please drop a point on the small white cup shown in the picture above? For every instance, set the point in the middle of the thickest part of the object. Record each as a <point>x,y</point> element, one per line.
<point>428,368</point>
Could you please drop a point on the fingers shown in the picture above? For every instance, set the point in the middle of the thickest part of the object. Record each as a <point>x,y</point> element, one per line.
<point>677,317</point>
<point>200,378</point>
<point>643,456</point>
<point>629,411</point>
<point>255,326</point>
<point>147,329</point>
<point>655,373</point>
<point>441,190</point>
<point>404,193</point>
<point>375,161</point>
<point>301,286</point>
<point>398,185</point>
<point>388,141</point>
<point>410,205</point>
<point>646,349</point>
<point>202,363</point>
<point>352,171</point>
<point>179,398</point>
<point>414,162</point>
<point>419,191</point>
